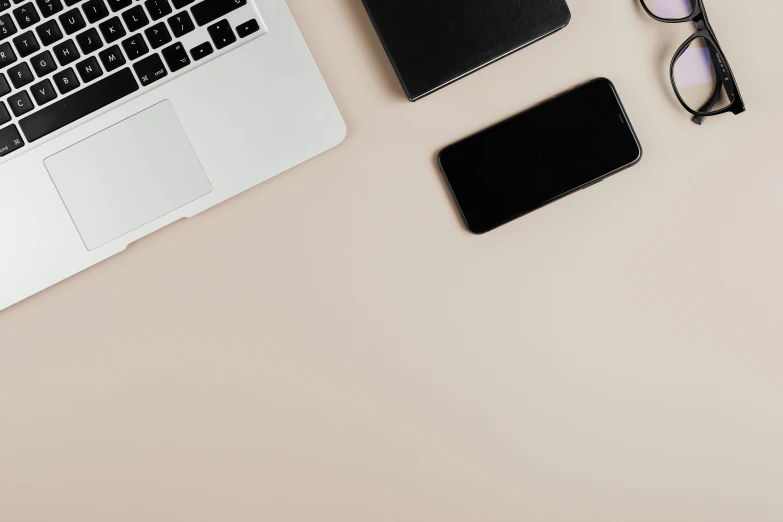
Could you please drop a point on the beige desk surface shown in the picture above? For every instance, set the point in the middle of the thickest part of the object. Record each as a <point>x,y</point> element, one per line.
<point>333,346</point>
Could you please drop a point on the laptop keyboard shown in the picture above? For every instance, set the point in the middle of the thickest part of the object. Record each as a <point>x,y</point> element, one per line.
<point>62,60</point>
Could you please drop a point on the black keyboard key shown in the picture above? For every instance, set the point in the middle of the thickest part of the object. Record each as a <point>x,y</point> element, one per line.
<point>135,46</point>
<point>179,4</point>
<point>222,34</point>
<point>26,44</point>
<point>176,57</point>
<point>20,103</point>
<point>89,41</point>
<point>20,75</point>
<point>49,7</point>
<point>26,15</point>
<point>112,58</point>
<point>43,92</point>
<point>5,4</point>
<point>7,26</point>
<point>66,80</point>
<point>210,10</point>
<point>4,88</point>
<point>248,28</point>
<point>135,18</point>
<point>89,69</point>
<point>66,53</point>
<point>72,21</point>
<point>201,51</point>
<point>117,5</point>
<point>158,35</point>
<point>78,105</point>
<point>112,29</point>
<point>160,8</point>
<point>7,55</point>
<point>10,140</point>
<point>150,70</point>
<point>95,10</point>
<point>5,116</point>
<point>49,32</point>
<point>69,3</point>
<point>181,24</point>
<point>43,64</point>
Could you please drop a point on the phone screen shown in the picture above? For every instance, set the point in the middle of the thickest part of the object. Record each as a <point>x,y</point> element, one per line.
<point>539,156</point>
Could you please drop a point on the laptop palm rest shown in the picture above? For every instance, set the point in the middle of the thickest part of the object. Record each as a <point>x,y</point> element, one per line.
<point>128,175</point>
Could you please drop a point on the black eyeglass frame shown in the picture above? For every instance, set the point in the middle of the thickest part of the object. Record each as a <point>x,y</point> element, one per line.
<point>704,30</point>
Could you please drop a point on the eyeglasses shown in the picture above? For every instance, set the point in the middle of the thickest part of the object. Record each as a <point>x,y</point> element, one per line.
<point>700,75</point>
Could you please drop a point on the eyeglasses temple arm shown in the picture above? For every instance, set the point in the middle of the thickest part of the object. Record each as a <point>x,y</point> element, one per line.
<point>707,107</point>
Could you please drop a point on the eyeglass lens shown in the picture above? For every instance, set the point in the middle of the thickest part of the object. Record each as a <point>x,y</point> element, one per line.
<point>696,77</point>
<point>671,9</point>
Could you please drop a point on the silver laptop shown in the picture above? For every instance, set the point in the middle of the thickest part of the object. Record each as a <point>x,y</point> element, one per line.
<point>119,117</point>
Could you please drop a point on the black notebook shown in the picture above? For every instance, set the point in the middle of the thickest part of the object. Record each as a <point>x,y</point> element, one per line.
<point>432,43</point>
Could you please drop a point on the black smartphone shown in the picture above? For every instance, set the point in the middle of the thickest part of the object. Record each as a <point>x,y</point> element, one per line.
<point>539,156</point>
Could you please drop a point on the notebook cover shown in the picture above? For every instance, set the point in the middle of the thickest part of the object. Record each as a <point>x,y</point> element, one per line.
<point>432,43</point>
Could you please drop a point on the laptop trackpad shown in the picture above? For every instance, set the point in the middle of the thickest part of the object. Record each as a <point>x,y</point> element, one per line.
<point>128,175</point>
